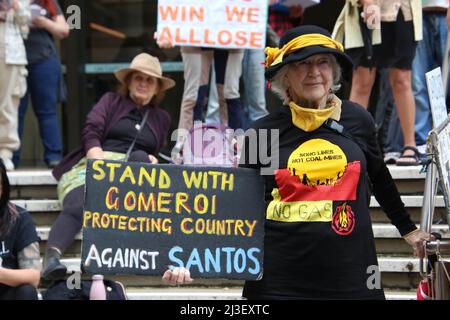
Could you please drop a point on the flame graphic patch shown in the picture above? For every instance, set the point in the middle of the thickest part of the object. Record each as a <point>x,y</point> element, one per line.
<point>343,221</point>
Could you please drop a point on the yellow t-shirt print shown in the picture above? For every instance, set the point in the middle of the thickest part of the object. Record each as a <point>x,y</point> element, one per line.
<point>317,174</point>
<point>317,162</point>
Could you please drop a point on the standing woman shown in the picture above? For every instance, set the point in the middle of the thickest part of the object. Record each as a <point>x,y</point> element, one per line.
<point>319,242</point>
<point>394,45</point>
<point>44,76</point>
<point>20,262</point>
<point>14,19</point>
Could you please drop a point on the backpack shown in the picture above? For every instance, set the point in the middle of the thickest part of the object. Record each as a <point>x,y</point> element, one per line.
<point>207,145</point>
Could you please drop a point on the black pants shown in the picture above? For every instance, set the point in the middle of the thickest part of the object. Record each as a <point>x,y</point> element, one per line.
<point>70,220</point>
<point>22,292</point>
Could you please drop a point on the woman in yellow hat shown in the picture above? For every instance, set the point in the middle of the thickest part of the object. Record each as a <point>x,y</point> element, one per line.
<point>319,242</point>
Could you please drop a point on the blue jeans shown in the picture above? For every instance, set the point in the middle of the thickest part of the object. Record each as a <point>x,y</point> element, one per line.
<point>429,55</point>
<point>254,84</point>
<point>43,87</point>
<point>393,135</point>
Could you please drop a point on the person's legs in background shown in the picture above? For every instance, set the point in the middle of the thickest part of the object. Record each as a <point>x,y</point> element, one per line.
<point>362,83</point>
<point>429,55</point>
<point>254,85</point>
<point>212,111</point>
<point>394,137</point>
<point>43,86</point>
<point>23,107</point>
<point>406,110</point>
<point>12,88</point>
<point>13,85</point>
<point>228,65</point>
<point>390,136</point>
<point>197,66</point>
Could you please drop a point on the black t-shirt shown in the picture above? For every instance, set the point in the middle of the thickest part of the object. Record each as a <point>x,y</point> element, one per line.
<point>40,44</point>
<point>122,134</point>
<point>21,235</point>
<point>319,242</point>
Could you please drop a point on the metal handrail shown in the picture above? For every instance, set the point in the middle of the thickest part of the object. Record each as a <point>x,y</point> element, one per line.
<point>430,191</point>
<point>438,245</point>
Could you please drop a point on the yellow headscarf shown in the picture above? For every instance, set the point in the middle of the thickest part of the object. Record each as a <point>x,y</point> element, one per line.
<point>275,55</point>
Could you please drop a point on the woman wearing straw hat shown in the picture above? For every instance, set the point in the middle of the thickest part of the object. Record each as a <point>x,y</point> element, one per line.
<point>112,126</point>
<point>319,242</point>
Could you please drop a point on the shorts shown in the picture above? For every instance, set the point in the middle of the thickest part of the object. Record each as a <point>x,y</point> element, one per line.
<point>397,48</point>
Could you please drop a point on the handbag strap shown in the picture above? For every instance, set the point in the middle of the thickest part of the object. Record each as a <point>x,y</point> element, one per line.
<point>141,126</point>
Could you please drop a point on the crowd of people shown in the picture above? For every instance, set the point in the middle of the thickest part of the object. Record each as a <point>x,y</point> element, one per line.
<point>305,66</point>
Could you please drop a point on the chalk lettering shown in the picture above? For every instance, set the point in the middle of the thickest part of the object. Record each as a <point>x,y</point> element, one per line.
<point>227,227</point>
<point>125,223</point>
<point>234,260</point>
<point>123,258</point>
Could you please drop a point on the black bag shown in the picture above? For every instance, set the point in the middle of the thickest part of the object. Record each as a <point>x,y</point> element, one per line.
<point>59,290</point>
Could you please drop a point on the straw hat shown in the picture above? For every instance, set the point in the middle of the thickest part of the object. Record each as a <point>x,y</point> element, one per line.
<point>149,65</point>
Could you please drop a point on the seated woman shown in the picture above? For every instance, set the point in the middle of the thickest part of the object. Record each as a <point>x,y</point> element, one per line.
<point>112,126</point>
<point>327,153</point>
<point>20,262</point>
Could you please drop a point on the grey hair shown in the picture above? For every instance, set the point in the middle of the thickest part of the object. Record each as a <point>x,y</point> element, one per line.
<point>278,86</point>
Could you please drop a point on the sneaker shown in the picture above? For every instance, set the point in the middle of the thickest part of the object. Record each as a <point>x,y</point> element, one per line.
<point>9,165</point>
<point>391,157</point>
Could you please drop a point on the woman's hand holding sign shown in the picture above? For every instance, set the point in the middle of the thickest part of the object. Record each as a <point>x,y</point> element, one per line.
<point>163,43</point>
<point>176,276</point>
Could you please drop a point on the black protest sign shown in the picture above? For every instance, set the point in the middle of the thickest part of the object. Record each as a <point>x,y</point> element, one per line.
<point>142,218</point>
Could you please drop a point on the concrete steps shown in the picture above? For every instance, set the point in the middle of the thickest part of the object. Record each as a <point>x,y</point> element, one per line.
<point>222,294</point>
<point>44,211</point>
<point>36,191</point>
<point>386,264</point>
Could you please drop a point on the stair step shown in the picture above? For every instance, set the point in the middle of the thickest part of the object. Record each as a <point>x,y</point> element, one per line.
<point>31,178</point>
<point>219,294</point>
<point>406,173</point>
<point>43,233</point>
<point>51,205</point>
<point>411,201</point>
<point>230,294</point>
<point>380,230</point>
<point>386,264</point>
<point>28,177</point>
<point>41,205</point>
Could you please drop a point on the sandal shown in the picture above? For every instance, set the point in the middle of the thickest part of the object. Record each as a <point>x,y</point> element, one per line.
<point>414,156</point>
